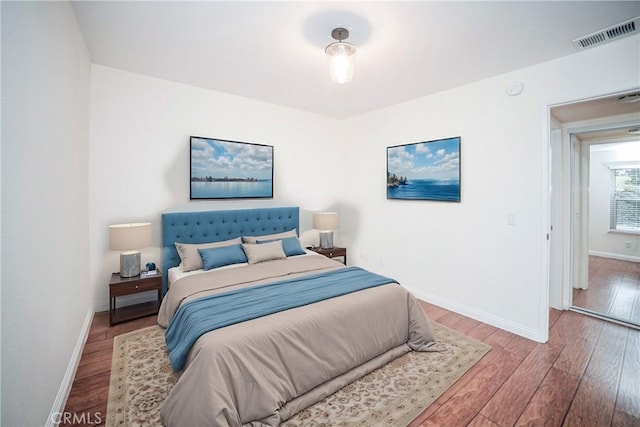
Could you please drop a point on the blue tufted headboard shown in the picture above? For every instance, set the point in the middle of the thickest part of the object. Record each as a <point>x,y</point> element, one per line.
<point>214,226</point>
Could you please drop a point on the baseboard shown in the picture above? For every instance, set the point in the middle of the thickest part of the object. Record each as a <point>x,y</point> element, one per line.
<point>615,256</point>
<point>67,381</point>
<point>490,319</point>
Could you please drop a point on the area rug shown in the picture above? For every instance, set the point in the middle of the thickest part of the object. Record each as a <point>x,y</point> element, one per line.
<point>393,395</point>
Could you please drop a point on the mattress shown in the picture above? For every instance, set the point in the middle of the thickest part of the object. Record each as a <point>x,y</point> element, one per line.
<point>262,371</point>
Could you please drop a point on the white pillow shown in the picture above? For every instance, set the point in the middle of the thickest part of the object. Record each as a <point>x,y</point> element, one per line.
<point>264,251</point>
<point>254,239</point>
<point>190,257</point>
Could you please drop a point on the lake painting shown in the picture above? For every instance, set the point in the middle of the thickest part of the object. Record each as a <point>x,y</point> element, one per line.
<point>222,169</point>
<point>424,171</point>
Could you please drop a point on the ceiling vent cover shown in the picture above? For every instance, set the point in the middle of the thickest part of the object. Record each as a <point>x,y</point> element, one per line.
<point>629,98</point>
<point>610,34</point>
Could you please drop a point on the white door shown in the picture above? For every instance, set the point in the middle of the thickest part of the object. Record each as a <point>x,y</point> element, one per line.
<point>556,219</point>
<point>580,208</point>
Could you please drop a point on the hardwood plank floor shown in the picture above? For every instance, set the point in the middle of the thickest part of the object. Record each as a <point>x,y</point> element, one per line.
<point>87,401</point>
<point>586,375</point>
<point>614,289</point>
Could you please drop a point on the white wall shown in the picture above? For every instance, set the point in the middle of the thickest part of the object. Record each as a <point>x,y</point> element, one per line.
<point>602,242</point>
<point>139,165</point>
<point>465,256</point>
<point>45,204</point>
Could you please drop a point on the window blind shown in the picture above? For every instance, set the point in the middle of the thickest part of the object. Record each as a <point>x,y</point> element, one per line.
<point>625,199</point>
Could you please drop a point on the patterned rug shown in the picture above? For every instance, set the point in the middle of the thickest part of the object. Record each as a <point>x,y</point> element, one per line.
<point>393,395</point>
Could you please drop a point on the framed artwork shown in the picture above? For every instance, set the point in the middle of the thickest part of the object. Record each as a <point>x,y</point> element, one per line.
<point>427,170</point>
<point>222,169</point>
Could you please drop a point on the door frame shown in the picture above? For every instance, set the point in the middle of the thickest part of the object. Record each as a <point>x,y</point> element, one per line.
<point>568,241</point>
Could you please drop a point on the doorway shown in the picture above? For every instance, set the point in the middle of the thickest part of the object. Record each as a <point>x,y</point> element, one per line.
<point>594,261</point>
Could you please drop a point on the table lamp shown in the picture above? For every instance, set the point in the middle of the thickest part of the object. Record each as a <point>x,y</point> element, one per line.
<point>326,222</point>
<point>129,238</point>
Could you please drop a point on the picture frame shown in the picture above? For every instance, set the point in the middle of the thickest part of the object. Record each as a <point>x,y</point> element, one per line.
<point>428,170</point>
<point>224,169</point>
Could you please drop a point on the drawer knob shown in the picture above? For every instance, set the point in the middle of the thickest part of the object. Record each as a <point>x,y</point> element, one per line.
<point>137,286</point>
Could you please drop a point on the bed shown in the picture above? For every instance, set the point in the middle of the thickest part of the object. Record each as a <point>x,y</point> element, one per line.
<point>255,342</point>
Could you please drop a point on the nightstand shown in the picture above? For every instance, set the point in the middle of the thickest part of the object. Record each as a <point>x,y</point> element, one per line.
<point>120,286</point>
<point>334,252</point>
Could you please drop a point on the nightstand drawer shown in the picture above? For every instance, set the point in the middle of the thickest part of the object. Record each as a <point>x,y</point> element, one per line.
<point>136,286</point>
<point>336,252</point>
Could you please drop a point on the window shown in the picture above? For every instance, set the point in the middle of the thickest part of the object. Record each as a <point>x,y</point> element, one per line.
<point>625,199</point>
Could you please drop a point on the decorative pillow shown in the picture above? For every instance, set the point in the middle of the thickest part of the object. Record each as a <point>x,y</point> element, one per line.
<point>290,245</point>
<point>265,252</point>
<point>190,257</point>
<point>225,255</point>
<point>254,239</point>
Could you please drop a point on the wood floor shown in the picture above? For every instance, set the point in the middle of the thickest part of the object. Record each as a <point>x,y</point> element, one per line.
<point>614,289</point>
<point>586,375</point>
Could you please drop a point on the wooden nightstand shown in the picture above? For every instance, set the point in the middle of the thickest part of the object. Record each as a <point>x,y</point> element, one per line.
<point>334,252</point>
<point>120,286</point>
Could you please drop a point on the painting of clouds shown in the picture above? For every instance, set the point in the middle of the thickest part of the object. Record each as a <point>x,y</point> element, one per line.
<point>223,169</point>
<point>424,170</point>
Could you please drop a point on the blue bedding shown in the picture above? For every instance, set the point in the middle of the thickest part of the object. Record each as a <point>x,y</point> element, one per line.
<point>197,317</point>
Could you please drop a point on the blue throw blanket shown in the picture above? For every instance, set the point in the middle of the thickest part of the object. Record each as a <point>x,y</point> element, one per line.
<point>205,314</point>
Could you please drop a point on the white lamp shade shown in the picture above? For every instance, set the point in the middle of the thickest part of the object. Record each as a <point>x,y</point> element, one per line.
<point>325,221</point>
<point>342,61</point>
<point>128,237</point>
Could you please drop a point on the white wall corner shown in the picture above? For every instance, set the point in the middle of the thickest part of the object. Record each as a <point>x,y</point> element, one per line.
<point>67,381</point>
<point>490,319</point>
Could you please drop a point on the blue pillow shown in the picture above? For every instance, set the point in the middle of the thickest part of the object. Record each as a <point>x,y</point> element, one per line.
<point>219,257</point>
<point>291,245</point>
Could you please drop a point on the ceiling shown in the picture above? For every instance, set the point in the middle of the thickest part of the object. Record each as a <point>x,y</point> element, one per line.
<point>603,108</point>
<point>594,108</point>
<point>274,51</point>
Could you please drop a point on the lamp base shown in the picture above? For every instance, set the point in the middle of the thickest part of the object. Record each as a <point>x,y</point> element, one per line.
<point>129,264</point>
<point>326,239</point>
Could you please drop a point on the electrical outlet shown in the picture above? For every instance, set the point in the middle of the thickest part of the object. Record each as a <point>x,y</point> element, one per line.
<point>627,244</point>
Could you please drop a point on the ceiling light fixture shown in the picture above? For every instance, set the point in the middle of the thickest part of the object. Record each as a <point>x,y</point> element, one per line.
<point>341,56</point>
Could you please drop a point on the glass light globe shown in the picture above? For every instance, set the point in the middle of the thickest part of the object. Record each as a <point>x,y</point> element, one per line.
<point>341,61</point>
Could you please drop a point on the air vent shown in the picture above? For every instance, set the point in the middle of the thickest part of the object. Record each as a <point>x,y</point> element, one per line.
<point>610,34</point>
<point>629,98</point>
